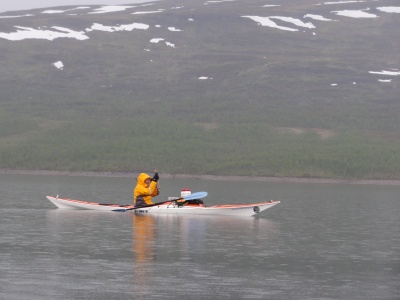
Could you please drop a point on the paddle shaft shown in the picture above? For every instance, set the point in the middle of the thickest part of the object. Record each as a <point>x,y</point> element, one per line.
<point>192,196</point>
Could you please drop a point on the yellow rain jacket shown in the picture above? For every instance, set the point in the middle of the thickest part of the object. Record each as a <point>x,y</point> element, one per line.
<point>146,192</point>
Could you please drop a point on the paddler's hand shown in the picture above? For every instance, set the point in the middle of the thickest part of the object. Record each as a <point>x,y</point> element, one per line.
<point>155,177</point>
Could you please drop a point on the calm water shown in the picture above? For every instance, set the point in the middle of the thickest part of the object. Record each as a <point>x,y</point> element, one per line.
<point>324,241</point>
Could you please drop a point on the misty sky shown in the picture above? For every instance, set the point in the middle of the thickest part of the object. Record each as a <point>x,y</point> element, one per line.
<point>30,4</point>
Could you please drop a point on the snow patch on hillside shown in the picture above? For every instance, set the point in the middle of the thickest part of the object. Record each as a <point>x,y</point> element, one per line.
<point>110,8</point>
<point>389,9</point>
<point>317,17</point>
<point>354,14</point>
<point>30,33</point>
<point>127,27</point>
<point>59,65</point>
<point>268,21</point>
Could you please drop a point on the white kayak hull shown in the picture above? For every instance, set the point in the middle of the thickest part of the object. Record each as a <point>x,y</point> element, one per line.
<point>169,207</point>
<point>226,210</point>
<point>66,203</point>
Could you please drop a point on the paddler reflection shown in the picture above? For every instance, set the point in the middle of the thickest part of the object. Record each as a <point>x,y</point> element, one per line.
<point>144,252</point>
<point>143,237</point>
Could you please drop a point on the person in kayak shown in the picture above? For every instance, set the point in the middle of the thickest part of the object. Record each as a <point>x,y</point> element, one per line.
<point>146,188</point>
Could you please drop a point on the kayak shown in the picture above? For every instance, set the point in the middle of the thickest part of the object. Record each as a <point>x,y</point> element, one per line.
<point>187,207</point>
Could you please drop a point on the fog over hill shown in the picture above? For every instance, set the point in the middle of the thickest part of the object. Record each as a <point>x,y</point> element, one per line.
<point>309,65</point>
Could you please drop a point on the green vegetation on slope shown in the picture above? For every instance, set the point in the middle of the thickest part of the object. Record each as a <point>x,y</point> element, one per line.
<point>251,149</point>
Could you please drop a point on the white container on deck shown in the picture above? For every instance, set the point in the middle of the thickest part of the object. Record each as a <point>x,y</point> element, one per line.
<point>185,192</point>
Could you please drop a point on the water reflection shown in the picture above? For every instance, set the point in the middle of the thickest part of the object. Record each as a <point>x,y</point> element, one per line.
<point>169,249</point>
<point>90,234</point>
<point>143,237</point>
<point>143,240</point>
<point>183,234</point>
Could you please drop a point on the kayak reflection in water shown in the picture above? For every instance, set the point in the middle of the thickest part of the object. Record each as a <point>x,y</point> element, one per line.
<point>146,188</point>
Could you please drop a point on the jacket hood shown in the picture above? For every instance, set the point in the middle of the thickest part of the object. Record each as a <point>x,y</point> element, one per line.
<point>142,177</point>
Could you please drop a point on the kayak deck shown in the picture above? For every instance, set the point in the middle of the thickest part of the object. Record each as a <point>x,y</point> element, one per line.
<point>169,207</point>
<point>66,203</point>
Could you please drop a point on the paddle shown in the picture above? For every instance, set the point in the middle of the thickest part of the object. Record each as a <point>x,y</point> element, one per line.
<point>192,196</point>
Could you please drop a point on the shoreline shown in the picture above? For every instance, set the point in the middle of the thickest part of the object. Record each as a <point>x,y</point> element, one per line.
<point>208,177</point>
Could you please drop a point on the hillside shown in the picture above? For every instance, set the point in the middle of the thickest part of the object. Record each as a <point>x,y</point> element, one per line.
<point>259,88</point>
